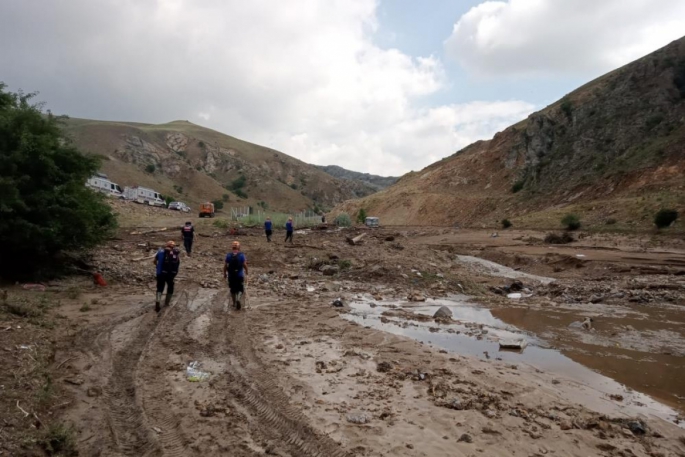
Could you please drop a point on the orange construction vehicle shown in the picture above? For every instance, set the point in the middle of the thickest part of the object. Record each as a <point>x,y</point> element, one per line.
<point>207,210</point>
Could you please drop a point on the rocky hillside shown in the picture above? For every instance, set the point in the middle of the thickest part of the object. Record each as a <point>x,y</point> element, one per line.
<point>374,182</point>
<point>194,164</point>
<point>612,151</point>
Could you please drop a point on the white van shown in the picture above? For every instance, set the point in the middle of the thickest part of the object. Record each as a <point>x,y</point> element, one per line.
<point>100,183</point>
<point>144,195</point>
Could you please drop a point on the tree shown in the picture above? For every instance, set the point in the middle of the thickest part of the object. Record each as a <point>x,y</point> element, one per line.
<point>361,216</point>
<point>506,223</point>
<point>571,222</point>
<point>218,204</point>
<point>665,217</point>
<point>45,207</point>
<point>150,168</point>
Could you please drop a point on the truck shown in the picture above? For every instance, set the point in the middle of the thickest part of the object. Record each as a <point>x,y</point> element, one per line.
<point>144,195</point>
<point>101,183</point>
<point>207,209</point>
<point>372,222</point>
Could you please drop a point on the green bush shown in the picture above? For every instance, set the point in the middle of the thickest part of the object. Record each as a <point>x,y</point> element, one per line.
<point>221,223</point>
<point>150,168</point>
<point>239,183</point>
<point>361,216</point>
<point>506,223</point>
<point>571,222</point>
<point>665,217</point>
<point>45,207</point>
<point>218,204</point>
<point>225,197</point>
<point>167,200</point>
<point>567,107</point>
<point>343,220</point>
<point>240,193</point>
<point>59,439</point>
<point>518,186</point>
<point>178,189</point>
<point>344,264</point>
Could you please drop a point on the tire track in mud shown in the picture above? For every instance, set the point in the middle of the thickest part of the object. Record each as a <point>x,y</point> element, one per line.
<point>252,384</point>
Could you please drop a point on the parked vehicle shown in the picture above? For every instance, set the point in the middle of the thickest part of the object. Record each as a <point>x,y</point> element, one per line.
<point>372,222</point>
<point>207,210</point>
<point>179,206</point>
<point>100,183</point>
<point>144,195</point>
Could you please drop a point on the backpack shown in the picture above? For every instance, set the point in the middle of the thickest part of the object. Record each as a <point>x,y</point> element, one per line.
<point>235,263</point>
<point>171,261</point>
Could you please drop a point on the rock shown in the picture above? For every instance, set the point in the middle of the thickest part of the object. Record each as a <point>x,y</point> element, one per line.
<point>384,367</point>
<point>390,238</point>
<point>415,296</point>
<point>515,286</point>
<point>74,381</point>
<point>357,418</point>
<point>442,313</point>
<point>596,298</point>
<point>490,431</point>
<point>465,438</point>
<point>565,425</point>
<point>637,427</point>
<point>338,303</point>
<point>94,391</point>
<point>329,270</point>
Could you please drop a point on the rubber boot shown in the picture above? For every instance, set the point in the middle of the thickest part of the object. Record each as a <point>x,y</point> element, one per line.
<point>157,300</point>
<point>167,299</point>
<point>238,298</point>
<point>233,300</point>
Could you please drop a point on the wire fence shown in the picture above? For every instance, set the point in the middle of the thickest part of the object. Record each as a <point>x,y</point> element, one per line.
<point>250,216</point>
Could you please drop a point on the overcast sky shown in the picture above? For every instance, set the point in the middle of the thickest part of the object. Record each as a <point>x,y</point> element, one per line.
<point>381,86</point>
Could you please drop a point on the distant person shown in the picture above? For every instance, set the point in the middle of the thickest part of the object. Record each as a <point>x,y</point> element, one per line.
<point>235,270</point>
<point>268,229</point>
<point>289,230</point>
<point>188,232</point>
<point>167,260</point>
<point>323,218</point>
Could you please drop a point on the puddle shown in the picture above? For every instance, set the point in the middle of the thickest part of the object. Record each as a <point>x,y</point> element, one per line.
<point>477,334</point>
<point>203,297</point>
<point>495,269</point>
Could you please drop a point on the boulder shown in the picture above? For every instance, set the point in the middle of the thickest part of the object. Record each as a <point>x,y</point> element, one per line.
<point>443,313</point>
<point>330,270</point>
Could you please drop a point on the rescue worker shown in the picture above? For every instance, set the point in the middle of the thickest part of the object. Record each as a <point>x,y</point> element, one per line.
<point>268,229</point>
<point>289,230</point>
<point>188,232</point>
<point>323,218</point>
<point>235,270</point>
<point>167,261</point>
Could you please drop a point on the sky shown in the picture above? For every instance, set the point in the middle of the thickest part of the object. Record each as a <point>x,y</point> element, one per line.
<point>378,86</point>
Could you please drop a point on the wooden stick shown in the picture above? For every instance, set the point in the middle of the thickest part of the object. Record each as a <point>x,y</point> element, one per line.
<point>65,361</point>
<point>22,410</point>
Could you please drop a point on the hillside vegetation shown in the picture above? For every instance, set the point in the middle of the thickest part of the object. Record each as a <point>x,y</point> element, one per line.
<point>375,182</point>
<point>612,151</point>
<point>195,164</point>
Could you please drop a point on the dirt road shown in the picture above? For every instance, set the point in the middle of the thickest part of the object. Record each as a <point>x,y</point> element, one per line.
<point>293,375</point>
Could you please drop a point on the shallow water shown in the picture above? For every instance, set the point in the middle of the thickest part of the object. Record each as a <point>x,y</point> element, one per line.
<point>477,333</point>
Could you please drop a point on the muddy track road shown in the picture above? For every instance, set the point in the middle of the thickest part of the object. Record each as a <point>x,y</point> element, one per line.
<point>148,408</point>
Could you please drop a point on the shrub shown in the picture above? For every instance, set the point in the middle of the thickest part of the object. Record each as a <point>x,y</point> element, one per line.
<point>59,439</point>
<point>344,264</point>
<point>293,186</point>
<point>167,200</point>
<point>611,221</point>
<point>150,168</point>
<point>225,197</point>
<point>665,217</point>
<point>218,204</point>
<point>567,107</point>
<point>343,220</point>
<point>201,144</point>
<point>555,238</point>
<point>178,189</point>
<point>240,193</point>
<point>221,223</point>
<point>571,222</point>
<point>518,186</point>
<point>45,207</point>
<point>361,216</point>
<point>239,183</point>
<point>506,223</point>
<point>263,204</point>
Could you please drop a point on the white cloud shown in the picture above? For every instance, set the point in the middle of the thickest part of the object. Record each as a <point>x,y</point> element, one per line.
<point>304,77</point>
<point>579,37</point>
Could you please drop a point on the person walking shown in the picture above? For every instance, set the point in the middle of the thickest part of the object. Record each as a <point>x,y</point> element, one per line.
<point>289,230</point>
<point>323,218</point>
<point>188,232</point>
<point>235,270</point>
<point>268,229</point>
<point>167,260</point>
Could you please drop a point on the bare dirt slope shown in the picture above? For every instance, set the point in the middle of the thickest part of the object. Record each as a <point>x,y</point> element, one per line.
<point>292,375</point>
<point>195,164</point>
<point>611,150</point>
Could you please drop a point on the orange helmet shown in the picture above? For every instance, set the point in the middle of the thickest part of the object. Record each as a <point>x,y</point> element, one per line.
<point>235,245</point>
<point>170,244</point>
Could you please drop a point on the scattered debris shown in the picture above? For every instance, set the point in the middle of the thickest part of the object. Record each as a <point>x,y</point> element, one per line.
<point>338,303</point>
<point>356,240</point>
<point>513,344</point>
<point>194,374</point>
<point>358,418</point>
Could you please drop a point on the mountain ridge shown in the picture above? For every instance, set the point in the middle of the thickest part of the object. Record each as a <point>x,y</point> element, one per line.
<point>375,181</point>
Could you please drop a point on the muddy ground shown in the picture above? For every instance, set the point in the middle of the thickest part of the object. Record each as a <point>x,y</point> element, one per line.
<point>95,370</point>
